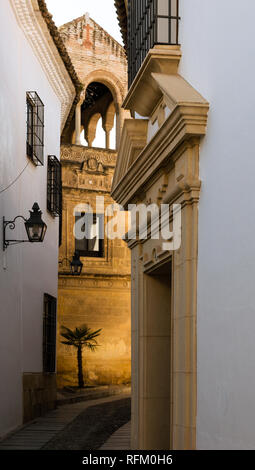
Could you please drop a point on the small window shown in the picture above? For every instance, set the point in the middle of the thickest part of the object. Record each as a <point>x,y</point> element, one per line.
<point>92,245</point>
<point>35,128</point>
<point>49,333</point>
<point>54,186</point>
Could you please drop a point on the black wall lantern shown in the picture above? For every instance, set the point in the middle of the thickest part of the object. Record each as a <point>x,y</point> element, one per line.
<point>35,228</point>
<point>75,265</point>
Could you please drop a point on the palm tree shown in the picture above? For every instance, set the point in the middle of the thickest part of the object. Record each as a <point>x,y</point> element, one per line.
<point>79,338</point>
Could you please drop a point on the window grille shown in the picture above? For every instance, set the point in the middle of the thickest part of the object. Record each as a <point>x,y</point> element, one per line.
<point>92,243</point>
<point>150,22</point>
<point>54,186</point>
<point>35,128</point>
<point>49,334</point>
<point>60,229</point>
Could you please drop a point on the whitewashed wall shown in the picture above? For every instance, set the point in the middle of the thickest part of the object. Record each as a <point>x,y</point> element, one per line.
<point>31,269</point>
<point>218,46</point>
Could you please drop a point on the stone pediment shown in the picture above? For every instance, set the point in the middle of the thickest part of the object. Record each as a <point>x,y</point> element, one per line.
<point>133,140</point>
<point>139,156</point>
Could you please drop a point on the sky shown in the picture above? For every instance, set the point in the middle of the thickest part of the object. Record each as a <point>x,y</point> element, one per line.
<point>102,11</point>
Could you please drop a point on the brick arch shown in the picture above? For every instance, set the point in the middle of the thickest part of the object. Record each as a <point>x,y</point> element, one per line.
<point>118,91</point>
<point>108,79</point>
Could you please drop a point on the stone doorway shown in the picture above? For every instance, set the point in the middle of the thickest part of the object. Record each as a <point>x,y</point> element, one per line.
<point>156,362</point>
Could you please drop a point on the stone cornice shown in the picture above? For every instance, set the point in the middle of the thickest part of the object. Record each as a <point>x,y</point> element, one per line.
<point>144,93</point>
<point>187,120</point>
<point>91,282</point>
<point>34,20</point>
<point>79,154</point>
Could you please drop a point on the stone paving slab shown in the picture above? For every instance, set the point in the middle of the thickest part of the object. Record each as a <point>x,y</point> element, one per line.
<point>65,397</point>
<point>39,432</point>
<point>120,440</point>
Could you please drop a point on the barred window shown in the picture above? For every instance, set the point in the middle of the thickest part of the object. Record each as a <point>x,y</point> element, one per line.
<point>49,333</point>
<point>60,230</point>
<point>54,186</point>
<point>35,128</point>
<point>92,228</point>
<point>150,22</point>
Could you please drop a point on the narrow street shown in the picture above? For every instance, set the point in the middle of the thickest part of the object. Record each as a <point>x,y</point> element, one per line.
<point>127,257</point>
<point>88,425</point>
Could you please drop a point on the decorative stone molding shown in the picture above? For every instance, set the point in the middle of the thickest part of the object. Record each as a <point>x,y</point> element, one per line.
<point>144,94</point>
<point>187,120</point>
<point>32,23</point>
<point>165,171</point>
<point>93,165</point>
<point>113,282</point>
<point>134,137</point>
<point>80,154</point>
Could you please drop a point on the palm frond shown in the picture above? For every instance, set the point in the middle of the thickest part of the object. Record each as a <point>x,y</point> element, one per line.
<point>67,333</point>
<point>92,346</point>
<point>80,336</point>
<point>69,343</point>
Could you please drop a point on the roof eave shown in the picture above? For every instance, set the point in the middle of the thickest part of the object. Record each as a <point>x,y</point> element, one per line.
<point>121,8</point>
<point>55,34</point>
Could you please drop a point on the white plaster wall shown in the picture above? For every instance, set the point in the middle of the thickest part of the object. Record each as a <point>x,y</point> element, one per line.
<point>31,269</point>
<point>218,46</point>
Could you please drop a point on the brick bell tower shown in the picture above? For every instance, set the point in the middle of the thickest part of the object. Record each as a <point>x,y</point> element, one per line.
<point>100,296</point>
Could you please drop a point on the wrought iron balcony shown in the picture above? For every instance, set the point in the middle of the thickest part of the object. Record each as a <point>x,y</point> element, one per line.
<point>150,23</point>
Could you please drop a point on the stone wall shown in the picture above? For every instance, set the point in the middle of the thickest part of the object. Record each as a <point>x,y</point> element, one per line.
<point>100,297</point>
<point>39,395</point>
<point>101,302</point>
<point>91,48</point>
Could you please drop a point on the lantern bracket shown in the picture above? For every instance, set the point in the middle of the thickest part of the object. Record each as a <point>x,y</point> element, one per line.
<point>12,225</point>
<point>34,222</point>
<point>75,265</point>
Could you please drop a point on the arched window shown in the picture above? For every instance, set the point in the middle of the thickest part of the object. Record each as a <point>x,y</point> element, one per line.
<point>96,121</point>
<point>98,117</point>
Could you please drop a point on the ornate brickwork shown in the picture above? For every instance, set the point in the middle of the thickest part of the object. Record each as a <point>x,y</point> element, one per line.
<point>88,42</point>
<point>100,297</point>
<point>97,57</point>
